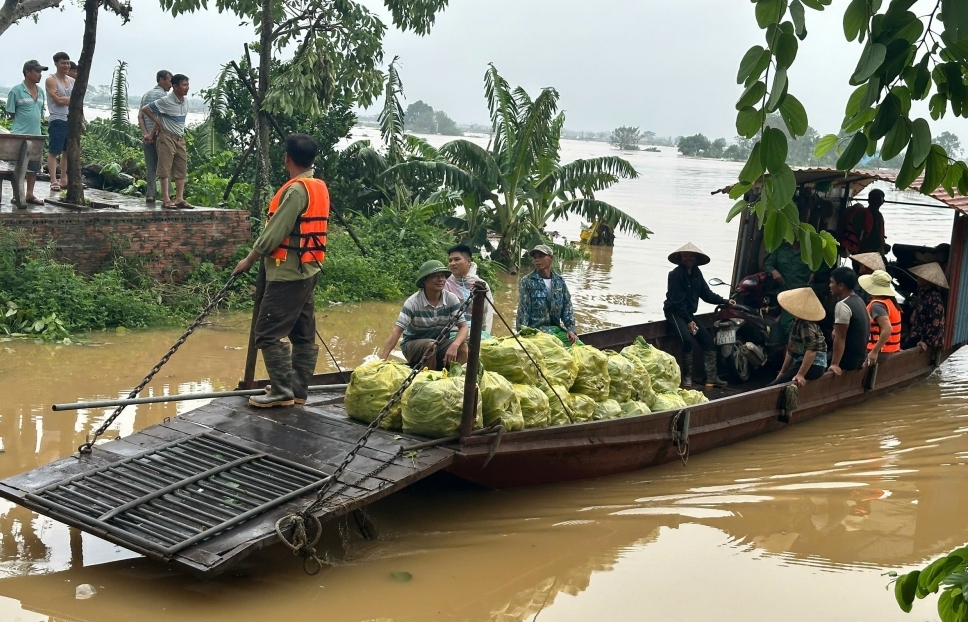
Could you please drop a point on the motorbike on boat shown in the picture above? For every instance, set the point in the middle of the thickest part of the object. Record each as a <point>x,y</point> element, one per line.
<point>748,333</point>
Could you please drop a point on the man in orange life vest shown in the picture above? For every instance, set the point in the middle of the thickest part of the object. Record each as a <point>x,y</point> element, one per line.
<point>293,245</point>
<point>885,315</point>
<point>864,232</point>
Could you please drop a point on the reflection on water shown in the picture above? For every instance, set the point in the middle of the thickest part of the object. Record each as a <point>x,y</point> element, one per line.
<point>811,515</point>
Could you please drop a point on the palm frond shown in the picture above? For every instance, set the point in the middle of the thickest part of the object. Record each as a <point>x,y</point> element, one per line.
<point>594,209</point>
<point>420,147</point>
<point>588,175</point>
<point>119,97</point>
<point>503,109</point>
<point>391,117</point>
<point>536,136</point>
<point>368,162</point>
<point>474,159</point>
<point>443,173</point>
<point>216,96</point>
<point>207,139</point>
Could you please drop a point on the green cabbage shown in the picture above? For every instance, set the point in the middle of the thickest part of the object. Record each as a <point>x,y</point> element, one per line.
<point>504,356</point>
<point>641,381</point>
<point>662,367</point>
<point>369,390</point>
<point>500,403</point>
<point>632,408</point>
<point>667,401</point>
<point>559,366</point>
<point>691,397</point>
<point>432,404</point>
<point>609,409</point>
<point>592,377</point>
<point>581,407</point>
<point>534,406</point>
<point>620,371</point>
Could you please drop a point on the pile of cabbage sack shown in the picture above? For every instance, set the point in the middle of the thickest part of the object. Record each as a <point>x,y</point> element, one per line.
<point>586,384</point>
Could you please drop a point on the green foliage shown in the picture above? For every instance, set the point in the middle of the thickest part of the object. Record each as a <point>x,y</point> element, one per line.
<point>948,573</point>
<point>422,118</point>
<point>901,61</point>
<point>625,138</point>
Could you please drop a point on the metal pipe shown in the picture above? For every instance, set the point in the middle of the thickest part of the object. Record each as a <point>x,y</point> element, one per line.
<point>183,397</point>
<point>469,409</point>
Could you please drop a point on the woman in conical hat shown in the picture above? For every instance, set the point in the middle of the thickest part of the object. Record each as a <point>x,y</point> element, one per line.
<point>927,314</point>
<point>686,287</point>
<point>806,353</point>
<point>866,263</point>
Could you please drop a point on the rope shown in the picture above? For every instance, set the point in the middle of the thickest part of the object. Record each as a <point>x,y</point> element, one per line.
<point>86,447</point>
<point>533,362</point>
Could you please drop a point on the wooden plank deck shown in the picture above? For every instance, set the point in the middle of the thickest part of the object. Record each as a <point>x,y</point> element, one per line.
<point>317,435</point>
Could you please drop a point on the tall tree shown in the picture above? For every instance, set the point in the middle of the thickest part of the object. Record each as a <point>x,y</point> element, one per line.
<point>75,111</point>
<point>12,11</point>
<point>626,138</point>
<point>337,50</point>
<point>905,58</point>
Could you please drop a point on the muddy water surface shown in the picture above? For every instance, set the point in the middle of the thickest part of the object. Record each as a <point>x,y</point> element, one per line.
<point>800,524</point>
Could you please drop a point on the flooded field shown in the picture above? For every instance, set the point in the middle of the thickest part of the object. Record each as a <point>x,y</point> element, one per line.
<point>803,522</point>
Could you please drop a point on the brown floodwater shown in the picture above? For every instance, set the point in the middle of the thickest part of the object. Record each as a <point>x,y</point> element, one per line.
<point>801,524</point>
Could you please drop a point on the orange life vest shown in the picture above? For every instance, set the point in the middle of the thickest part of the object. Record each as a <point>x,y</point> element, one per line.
<point>894,314</point>
<point>308,237</point>
<point>851,239</point>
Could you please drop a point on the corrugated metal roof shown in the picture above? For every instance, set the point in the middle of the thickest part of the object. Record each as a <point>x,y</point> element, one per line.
<point>858,180</point>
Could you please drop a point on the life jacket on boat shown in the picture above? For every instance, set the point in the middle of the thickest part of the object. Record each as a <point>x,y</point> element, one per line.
<point>852,235</point>
<point>894,314</point>
<point>308,237</point>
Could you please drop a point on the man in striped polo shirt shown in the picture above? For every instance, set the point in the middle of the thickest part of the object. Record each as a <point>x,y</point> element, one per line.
<point>168,114</point>
<point>162,86</point>
<point>423,316</point>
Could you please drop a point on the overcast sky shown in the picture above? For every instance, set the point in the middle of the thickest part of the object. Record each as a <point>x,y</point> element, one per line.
<point>664,65</point>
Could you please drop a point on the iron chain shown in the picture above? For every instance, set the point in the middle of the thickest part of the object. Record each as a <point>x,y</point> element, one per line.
<point>89,444</point>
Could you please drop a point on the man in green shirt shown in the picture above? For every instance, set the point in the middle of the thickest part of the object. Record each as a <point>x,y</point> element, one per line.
<point>25,104</point>
<point>789,271</point>
<point>292,247</point>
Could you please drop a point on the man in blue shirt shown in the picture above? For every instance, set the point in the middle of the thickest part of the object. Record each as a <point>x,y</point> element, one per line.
<point>25,104</point>
<point>543,299</point>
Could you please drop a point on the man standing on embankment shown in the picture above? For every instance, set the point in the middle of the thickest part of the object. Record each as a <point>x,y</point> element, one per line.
<point>294,247</point>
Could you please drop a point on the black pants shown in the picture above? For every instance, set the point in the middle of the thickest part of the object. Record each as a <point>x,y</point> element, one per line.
<point>679,326</point>
<point>287,310</point>
<point>813,373</point>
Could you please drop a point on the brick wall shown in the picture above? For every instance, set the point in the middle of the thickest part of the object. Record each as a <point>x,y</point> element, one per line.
<point>164,240</point>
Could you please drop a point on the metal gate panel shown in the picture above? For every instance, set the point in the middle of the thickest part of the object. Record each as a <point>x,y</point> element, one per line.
<point>176,495</point>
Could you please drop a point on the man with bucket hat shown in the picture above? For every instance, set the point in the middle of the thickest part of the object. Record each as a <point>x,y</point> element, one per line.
<point>806,353</point>
<point>544,301</point>
<point>423,317</point>
<point>927,314</point>
<point>885,315</point>
<point>686,287</point>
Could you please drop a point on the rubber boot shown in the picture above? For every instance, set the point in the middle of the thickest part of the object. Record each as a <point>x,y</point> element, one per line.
<point>303,365</point>
<point>712,376</point>
<point>685,368</point>
<point>278,360</point>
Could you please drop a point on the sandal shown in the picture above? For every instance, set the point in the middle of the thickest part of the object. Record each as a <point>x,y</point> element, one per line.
<point>34,201</point>
<point>168,206</point>
<point>184,205</point>
<point>55,187</point>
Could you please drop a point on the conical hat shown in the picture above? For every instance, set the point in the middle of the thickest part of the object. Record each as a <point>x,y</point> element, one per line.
<point>874,261</point>
<point>701,258</point>
<point>878,284</point>
<point>932,273</point>
<point>802,303</point>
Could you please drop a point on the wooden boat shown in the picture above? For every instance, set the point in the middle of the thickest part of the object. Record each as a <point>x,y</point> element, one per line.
<point>204,490</point>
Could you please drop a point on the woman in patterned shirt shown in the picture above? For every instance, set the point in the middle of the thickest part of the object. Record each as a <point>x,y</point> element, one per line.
<point>927,316</point>
<point>806,354</point>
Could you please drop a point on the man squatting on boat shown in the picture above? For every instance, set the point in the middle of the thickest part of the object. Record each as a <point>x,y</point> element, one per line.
<point>293,246</point>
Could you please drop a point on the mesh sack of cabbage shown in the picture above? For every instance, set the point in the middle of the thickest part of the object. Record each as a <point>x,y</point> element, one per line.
<point>633,407</point>
<point>432,404</point>
<point>641,381</point>
<point>534,406</point>
<point>559,366</point>
<point>592,379</point>
<point>505,357</point>
<point>581,407</point>
<point>369,390</point>
<point>608,409</point>
<point>692,397</point>
<point>662,366</point>
<point>667,401</point>
<point>500,402</point>
<point>620,372</point>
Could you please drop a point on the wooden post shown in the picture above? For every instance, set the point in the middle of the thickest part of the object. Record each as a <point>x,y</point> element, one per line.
<point>469,409</point>
<point>248,379</point>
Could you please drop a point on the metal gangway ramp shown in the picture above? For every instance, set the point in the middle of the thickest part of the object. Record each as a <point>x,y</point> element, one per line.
<point>204,490</point>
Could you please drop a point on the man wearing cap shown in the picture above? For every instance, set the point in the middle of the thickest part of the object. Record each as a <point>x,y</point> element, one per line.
<point>423,318</point>
<point>25,104</point>
<point>686,287</point>
<point>852,324</point>
<point>806,353</point>
<point>544,302</point>
<point>927,314</point>
<point>885,316</point>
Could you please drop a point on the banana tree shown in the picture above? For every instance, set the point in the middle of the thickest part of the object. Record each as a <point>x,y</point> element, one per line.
<point>517,185</point>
